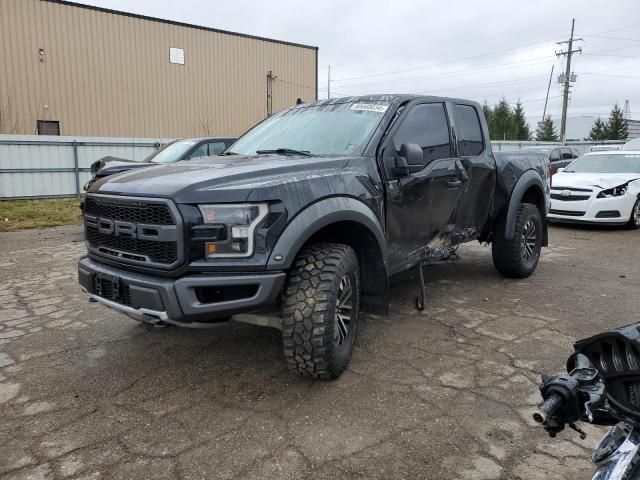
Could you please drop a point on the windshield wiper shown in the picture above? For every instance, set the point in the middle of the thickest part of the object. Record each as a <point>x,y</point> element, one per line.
<point>286,151</point>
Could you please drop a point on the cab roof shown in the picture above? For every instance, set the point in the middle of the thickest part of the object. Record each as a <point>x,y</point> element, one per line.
<point>385,97</point>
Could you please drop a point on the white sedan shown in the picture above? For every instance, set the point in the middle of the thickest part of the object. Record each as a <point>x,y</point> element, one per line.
<point>598,187</point>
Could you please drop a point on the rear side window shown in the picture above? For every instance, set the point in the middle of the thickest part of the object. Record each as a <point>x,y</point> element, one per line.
<point>470,142</point>
<point>426,125</point>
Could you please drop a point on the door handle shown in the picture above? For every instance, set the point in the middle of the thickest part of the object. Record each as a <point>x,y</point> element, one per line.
<point>454,183</point>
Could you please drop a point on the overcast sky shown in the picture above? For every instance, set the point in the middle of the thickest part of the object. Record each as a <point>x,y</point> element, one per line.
<point>478,50</point>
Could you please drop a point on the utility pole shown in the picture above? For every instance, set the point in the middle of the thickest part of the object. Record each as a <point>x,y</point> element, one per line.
<point>270,78</point>
<point>329,82</point>
<point>544,112</point>
<point>626,112</point>
<point>567,78</point>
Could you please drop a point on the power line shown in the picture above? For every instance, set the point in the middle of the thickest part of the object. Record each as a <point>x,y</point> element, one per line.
<point>520,63</point>
<point>476,85</point>
<point>381,74</point>
<point>611,75</point>
<point>473,57</point>
<point>616,38</point>
<point>610,55</point>
<point>488,54</point>
<point>277,79</point>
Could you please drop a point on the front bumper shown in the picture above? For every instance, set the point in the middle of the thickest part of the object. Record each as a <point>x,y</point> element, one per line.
<point>193,301</point>
<point>611,210</point>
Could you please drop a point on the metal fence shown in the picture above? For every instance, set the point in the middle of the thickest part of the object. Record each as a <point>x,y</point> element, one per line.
<point>35,166</point>
<point>582,146</point>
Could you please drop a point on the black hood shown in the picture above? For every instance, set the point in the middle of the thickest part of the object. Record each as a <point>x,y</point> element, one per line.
<point>222,179</point>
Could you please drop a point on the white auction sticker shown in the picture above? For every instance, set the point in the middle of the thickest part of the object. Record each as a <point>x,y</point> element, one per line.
<point>369,107</point>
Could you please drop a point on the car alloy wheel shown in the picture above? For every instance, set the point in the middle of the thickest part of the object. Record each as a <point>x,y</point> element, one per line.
<point>344,309</point>
<point>529,238</point>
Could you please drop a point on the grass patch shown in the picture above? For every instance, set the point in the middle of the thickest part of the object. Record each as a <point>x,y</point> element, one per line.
<point>21,214</point>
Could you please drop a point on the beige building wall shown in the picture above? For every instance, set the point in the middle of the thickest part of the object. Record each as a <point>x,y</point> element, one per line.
<point>103,73</point>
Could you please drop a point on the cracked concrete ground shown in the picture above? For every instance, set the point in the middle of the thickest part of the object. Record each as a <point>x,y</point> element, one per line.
<point>86,393</point>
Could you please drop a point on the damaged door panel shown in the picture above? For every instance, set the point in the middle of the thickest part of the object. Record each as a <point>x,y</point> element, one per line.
<point>477,169</point>
<point>421,205</point>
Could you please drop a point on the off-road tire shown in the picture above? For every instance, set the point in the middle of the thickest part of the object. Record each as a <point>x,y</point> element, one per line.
<point>310,330</point>
<point>634,221</point>
<point>510,256</point>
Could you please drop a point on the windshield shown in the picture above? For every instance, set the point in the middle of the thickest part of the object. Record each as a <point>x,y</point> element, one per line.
<point>606,163</point>
<point>334,129</point>
<point>171,152</point>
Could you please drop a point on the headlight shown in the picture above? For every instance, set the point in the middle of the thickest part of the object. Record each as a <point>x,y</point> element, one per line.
<point>615,191</point>
<point>239,222</point>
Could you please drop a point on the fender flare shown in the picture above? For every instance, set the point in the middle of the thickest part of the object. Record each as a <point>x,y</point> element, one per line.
<point>319,215</point>
<point>528,179</point>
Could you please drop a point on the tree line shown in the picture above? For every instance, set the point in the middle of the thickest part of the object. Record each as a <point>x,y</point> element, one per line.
<point>509,123</point>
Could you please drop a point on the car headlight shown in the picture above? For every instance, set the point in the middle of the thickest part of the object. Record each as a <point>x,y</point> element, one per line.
<point>238,222</point>
<point>615,191</point>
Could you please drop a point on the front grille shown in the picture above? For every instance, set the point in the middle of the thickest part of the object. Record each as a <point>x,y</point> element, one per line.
<point>569,198</point>
<point>567,213</point>
<point>124,247</point>
<point>134,231</point>
<point>150,213</point>
<point>558,187</point>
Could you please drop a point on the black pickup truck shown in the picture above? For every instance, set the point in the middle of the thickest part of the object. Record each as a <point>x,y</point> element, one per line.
<point>302,221</point>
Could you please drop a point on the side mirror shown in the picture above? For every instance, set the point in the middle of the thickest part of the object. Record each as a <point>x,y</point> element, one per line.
<point>410,159</point>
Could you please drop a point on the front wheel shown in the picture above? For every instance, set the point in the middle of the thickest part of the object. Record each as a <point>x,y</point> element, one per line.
<point>518,256</point>
<point>320,310</point>
<point>634,221</point>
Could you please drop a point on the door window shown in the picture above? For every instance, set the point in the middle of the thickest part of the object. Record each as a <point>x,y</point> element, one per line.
<point>566,154</point>
<point>469,131</point>
<point>216,148</point>
<point>427,126</point>
<point>201,151</point>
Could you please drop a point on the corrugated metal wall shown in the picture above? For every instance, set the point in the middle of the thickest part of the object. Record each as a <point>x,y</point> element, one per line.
<point>108,74</point>
<point>43,166</point>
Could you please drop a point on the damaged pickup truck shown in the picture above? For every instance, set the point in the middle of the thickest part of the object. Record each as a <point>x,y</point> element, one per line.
<point>300,224</point>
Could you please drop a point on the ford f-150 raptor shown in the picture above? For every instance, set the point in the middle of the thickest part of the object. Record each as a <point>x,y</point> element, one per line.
<point>302,221</point>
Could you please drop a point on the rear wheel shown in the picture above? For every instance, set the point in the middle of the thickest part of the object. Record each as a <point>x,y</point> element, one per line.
<point>320,310</point>
<point>518,257</point>
<point>634,221</point>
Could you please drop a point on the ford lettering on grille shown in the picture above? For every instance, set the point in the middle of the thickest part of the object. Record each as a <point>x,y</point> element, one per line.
<point>137,233</point>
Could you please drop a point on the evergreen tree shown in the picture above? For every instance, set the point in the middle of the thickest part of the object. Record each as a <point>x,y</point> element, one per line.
<point>598,131</point>
<point>616,128</point>
<point>521,129</point>
<point>501,127</point>
<point>488,112</point>
<point>546,131</point>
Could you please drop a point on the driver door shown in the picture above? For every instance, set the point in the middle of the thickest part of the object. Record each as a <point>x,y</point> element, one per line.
<point>421,205</point>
